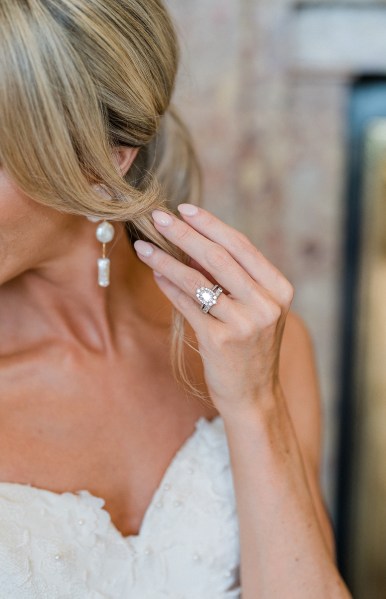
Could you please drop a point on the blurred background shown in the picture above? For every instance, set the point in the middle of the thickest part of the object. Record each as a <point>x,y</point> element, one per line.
<point>287,104</point>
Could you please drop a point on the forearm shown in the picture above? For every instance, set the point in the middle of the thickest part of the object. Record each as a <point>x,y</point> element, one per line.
<point>283,552</point>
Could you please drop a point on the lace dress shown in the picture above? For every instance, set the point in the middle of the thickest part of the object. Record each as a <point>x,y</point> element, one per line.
<point>65,546</point>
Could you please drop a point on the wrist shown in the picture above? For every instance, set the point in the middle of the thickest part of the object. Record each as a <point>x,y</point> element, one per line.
<point>261,409</point>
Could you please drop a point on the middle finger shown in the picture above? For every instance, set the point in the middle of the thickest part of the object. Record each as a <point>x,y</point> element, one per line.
<point>213,257</point>
<point>186,278</point>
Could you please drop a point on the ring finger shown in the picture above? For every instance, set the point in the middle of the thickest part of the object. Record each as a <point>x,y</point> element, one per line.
<point>186,278</point>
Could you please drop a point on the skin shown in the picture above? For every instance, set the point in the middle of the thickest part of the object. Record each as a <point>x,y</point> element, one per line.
<point>286,550</point>
<point>85,381</point>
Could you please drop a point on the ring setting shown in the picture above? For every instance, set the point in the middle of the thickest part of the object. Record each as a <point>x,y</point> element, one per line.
<point>208,297</point>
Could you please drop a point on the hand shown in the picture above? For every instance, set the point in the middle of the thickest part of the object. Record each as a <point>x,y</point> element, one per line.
<point>239,339</point>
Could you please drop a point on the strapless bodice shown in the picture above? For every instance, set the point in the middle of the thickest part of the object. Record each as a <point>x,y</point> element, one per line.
<point>65,546</point>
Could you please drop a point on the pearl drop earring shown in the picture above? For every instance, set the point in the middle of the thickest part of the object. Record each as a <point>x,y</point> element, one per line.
<point>105,233</point>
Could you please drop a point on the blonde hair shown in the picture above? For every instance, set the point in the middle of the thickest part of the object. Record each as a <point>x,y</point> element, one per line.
<point>78,77</point>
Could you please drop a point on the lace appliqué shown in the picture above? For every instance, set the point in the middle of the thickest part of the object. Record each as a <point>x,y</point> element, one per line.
<point>65,546</point>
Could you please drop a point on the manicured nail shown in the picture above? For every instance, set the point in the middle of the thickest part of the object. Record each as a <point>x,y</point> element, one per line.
<point>162,218</point>
<point>188,209</point>
<point>143,248</point>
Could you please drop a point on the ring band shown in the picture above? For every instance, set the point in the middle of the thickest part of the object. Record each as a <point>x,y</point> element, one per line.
<point>208,297</point>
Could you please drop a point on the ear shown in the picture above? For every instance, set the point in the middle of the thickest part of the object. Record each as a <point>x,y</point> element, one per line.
<point>124,157</point>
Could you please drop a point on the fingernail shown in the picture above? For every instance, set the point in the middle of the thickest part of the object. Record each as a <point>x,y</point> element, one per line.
<point>143,248</point>
<point>157,274</point>
<point>162,218</point>
<point>188,209</point>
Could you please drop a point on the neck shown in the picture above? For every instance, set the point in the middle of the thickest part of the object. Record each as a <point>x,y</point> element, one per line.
<point>61,299</point>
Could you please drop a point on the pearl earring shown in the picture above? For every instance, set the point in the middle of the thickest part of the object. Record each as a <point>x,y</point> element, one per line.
<point>105,233</point>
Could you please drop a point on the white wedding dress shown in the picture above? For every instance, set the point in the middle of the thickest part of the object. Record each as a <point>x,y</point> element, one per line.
<point>65,546</point>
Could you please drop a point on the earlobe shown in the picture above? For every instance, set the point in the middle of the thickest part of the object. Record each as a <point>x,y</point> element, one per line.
<point>124,157</point>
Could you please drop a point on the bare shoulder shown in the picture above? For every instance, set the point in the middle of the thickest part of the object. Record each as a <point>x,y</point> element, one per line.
<point>300,383</point>
<point>297,337</point>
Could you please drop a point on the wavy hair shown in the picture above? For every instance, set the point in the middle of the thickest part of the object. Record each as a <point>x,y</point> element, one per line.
<point>78,77</point>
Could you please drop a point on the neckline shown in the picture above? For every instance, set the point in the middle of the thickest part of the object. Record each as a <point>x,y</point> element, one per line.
<point>90,500</point>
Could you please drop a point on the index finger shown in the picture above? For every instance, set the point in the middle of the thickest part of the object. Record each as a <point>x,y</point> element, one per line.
<point>239,247</point>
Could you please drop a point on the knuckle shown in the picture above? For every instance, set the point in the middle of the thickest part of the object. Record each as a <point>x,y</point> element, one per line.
<point>182,232</point>
<point>206,218</point>
<point>242,243</point>
<point>192,282</point>
<point>271,313</point>
<point>217,257</point>
<point>268,314</point>
<point>251,289</point>
<point>288,292</point>
<point>222,339</point>
<point>162,260</point>
<point>246,329</point>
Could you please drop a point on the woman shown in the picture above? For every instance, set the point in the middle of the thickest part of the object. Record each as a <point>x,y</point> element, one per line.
<point>115,480</point>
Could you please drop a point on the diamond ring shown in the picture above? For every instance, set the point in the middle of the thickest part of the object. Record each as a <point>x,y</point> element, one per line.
<point>208,297</point>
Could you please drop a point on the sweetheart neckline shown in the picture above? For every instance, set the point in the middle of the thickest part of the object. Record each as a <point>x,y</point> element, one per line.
<point>82,494</point>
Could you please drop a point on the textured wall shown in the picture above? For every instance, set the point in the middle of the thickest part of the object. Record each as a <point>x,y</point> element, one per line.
<point>270,128</point>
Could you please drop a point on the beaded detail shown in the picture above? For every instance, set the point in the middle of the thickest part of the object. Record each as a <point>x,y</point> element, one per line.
<point>57,545</point>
